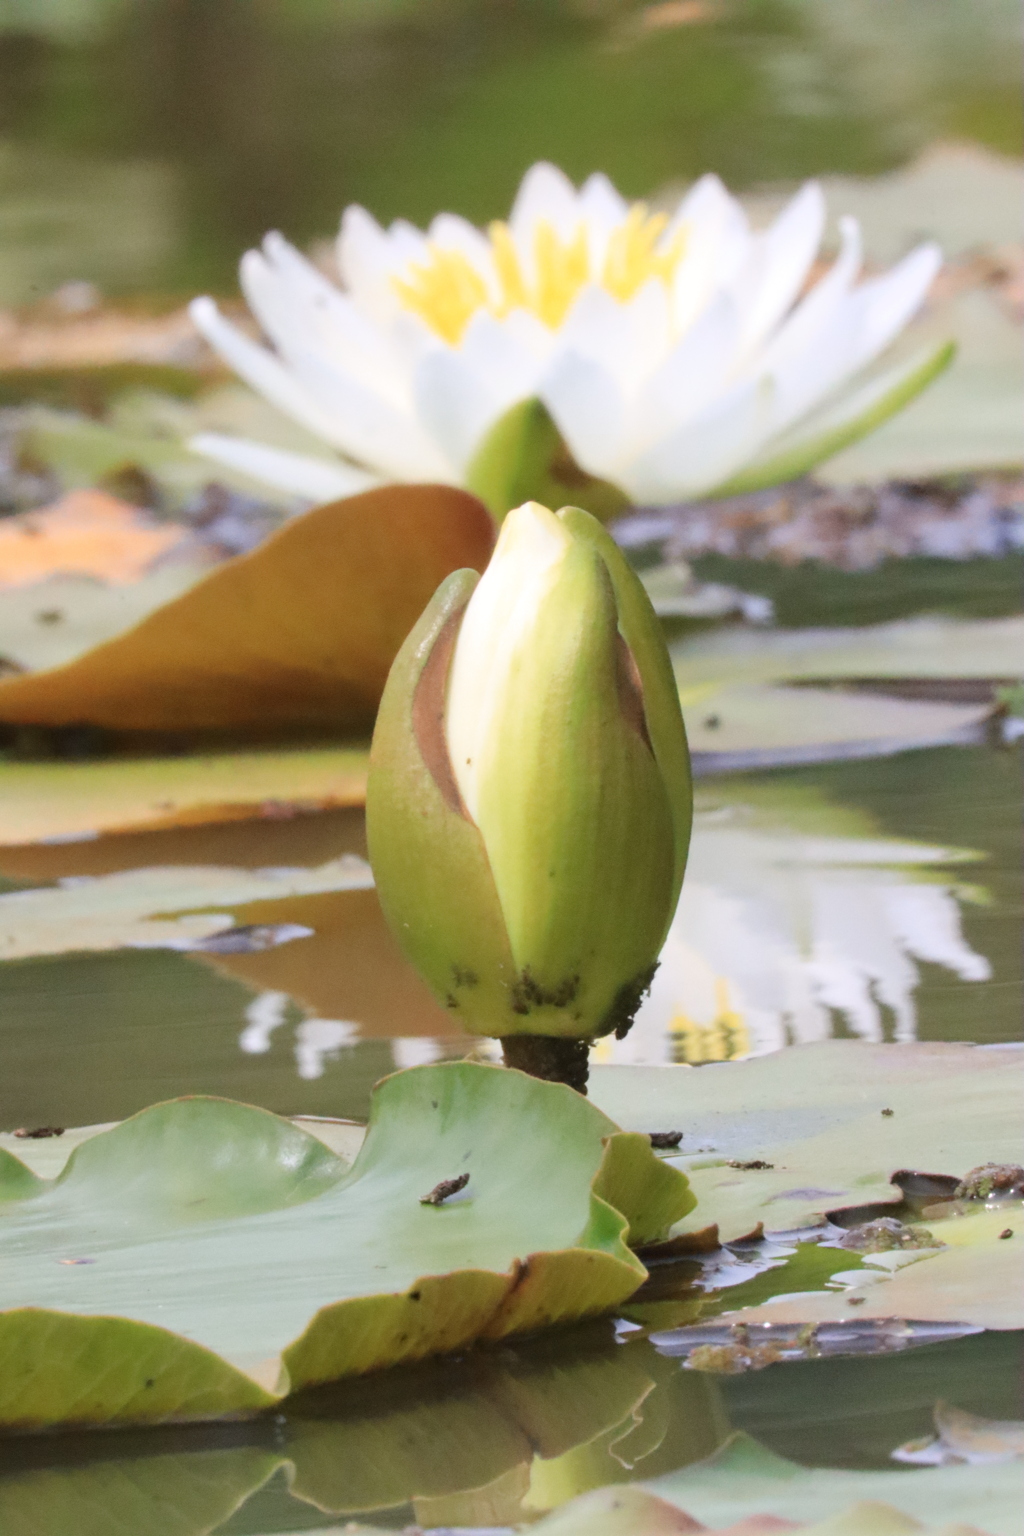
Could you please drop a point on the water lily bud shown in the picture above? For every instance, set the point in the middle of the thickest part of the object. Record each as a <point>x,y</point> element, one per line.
<point>529,800</point>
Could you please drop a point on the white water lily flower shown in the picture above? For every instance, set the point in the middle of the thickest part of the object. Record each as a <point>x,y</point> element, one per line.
<point>672,352</point>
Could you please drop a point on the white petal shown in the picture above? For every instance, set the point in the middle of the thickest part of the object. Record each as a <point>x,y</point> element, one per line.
<point>892,299</point>
<point>587,407</point>
<point>369,257</point>
<point>298,473</point>
<point>293,301</point>
<point>365,259</point>
<point>717,245</point>
<point>545,192</point>
<point>602,209</point>
<point>688,379</point>
<point>779,263</point>
<point>498,352</point>
<point>814,312</point>
<point>367,428</point>
<point>263,371</point>
<point>703,452</point>
<point>455,405</point>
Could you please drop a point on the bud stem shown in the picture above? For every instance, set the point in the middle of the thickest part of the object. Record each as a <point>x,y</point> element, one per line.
<point>555,1059</point>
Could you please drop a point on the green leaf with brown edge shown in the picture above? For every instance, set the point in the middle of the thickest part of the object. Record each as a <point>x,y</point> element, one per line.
<point>524,458</point>
<point>298,635</point>
<point>128,1290</point>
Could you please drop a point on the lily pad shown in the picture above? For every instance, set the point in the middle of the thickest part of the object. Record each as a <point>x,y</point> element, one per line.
<point>68,802</point>
<point>744,1478</point>
<point>814,1115</point>
<point>128,1291</point>
<point>298,634</point>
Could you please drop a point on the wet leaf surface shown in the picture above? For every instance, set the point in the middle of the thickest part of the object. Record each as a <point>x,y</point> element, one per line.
<point>816,1114</point>
<point>219,1193</point>
<point>298,634</point>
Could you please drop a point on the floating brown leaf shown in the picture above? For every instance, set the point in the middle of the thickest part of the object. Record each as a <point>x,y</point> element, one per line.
<point>299,634</point>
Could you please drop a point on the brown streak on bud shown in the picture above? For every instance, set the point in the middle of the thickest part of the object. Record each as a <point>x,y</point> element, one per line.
<point>428,714</point>
<point>631,690</point>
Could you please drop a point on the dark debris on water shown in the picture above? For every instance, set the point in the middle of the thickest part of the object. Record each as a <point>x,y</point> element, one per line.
<point>730,1348</point>
<point>854,528</point>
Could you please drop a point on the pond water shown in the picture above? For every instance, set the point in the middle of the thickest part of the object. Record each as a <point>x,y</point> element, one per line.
<point>144,144</point>
<point>877,899</point>
<point>874,898</point>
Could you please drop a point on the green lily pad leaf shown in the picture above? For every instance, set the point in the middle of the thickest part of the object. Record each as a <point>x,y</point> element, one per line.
<point>764,726</point>
<point>830,432</point>
<point>744,1479</point>
<point>921,647</point>
<point>121,909</point>
<point>70,802</point>
<point>524,458</point>
<point>740,710</point>
<point>814,1114</point>
<point>128,1291</point>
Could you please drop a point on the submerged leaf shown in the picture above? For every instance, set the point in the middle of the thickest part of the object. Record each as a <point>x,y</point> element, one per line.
<point>178,1209</point>
<point>299,634</point>
<point>87,533</point>
<point>745,1479</point>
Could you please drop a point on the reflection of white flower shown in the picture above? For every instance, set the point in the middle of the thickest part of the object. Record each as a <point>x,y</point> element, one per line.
<point>671,351</point>
<point>775,932</point>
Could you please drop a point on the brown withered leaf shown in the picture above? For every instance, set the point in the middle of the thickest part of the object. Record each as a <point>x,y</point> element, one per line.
<point>297,635</point>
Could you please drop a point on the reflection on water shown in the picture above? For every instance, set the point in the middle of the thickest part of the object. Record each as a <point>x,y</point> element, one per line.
<point>495,1439</point>
<point>818,901</point>
<point>782,939</point>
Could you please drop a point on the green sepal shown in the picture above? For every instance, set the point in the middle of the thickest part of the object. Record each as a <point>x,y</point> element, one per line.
<point>524,458</point>
<point>642,632</point>
<point>840,428</point>
<point>433,876</point>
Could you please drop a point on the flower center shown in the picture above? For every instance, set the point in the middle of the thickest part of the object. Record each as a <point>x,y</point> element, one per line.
<point>447,290</point>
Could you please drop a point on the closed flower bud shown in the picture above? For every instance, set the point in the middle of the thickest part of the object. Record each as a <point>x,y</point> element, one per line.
<point>529,801</point>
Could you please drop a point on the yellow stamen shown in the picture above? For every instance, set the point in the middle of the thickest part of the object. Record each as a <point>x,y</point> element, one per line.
<point>562,270</point>
<point>510,273</point>
<point>446,291</point>
<point>633,259</point>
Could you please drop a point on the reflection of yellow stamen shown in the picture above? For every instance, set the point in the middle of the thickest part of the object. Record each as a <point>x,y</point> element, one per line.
<point>446,290</point>
<point>724,1039</point>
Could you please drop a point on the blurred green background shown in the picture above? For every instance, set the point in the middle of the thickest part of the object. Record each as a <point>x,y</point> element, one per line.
<point>145,143</point>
